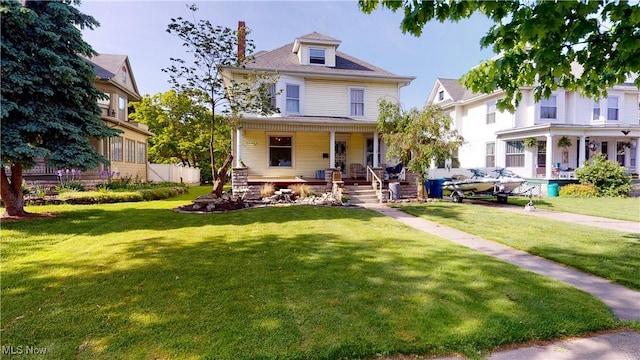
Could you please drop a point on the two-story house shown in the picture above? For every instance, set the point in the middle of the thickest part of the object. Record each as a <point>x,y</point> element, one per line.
<point>547,138</point>
<point>328,113</point>
<point>126,152</point>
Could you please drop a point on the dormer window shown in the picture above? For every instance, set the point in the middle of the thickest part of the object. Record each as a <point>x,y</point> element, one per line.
<point>317,56</point>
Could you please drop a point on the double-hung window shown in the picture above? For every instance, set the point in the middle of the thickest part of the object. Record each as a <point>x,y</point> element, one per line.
<point>514,154</point>
<point>490,155</point>
<point>317,56</point>
<point>548,108</point>
<point>357,102</point>
<point>131,151</point>
<point>596,110</point>
<point>280,151</point>
<point>142,153</point>
<point>293,98</point>
<point>612,108</point>
<point>491,112</point>
<point>115,148</point>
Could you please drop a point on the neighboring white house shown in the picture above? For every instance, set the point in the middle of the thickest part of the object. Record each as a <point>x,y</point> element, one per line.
<point>497,139</point>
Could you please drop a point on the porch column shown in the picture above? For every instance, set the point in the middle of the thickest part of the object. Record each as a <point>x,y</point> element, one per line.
<point>239,148</point>
<point>332,149</point>
<point>581,150</point>
<point>549,158</point>
<point>376,149</point>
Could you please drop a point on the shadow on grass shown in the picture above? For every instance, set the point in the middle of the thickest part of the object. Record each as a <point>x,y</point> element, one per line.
<point>316,295</point>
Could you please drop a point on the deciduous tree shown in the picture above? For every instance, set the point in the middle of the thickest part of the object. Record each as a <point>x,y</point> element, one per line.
<point>49,103</point>
<point>210,49</point>
<point>417,137</point>
<point>181,126</point>
<point>540,42</point>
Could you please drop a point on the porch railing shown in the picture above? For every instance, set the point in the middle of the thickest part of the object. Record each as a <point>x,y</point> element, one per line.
<point>376,183</point>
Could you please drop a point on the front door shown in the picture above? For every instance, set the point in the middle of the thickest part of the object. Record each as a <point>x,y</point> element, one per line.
<point>341,156</point>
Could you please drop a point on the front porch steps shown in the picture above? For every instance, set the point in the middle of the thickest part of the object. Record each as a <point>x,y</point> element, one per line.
<point>361,194</point>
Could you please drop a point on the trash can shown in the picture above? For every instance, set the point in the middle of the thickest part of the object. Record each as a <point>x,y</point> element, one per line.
<point>552,190</point>
<point>394,189</point>
<point>435,187</point>
<point>320,174</point>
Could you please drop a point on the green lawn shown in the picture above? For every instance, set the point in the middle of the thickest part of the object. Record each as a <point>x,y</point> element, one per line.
<point>135,280</point>
<point>610,254</point>
<point>613,208</point>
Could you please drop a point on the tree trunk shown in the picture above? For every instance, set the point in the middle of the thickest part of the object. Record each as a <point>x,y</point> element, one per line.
<point>11,191</point>
<point>221,176</point>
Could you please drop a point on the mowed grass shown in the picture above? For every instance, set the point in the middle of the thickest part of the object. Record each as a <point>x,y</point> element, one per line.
<point>613,255</point>
<point>136,280</point>
<point>613,208</point>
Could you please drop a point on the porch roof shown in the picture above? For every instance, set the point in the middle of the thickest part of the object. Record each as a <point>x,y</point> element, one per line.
<point>309,123</point>
<point>632,130</point>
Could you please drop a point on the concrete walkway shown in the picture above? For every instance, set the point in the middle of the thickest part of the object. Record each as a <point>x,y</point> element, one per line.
<point>624,303</point>
<point>611,224</point>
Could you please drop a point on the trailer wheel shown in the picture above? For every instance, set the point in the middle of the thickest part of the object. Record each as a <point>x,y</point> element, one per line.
<point>456,197</point>
<point>502,198</point>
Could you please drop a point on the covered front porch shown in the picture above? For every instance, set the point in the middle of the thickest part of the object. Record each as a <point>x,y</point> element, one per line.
<point>554,151</point>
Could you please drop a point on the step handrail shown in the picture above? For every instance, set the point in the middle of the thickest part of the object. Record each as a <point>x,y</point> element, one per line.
<point>375,179</point>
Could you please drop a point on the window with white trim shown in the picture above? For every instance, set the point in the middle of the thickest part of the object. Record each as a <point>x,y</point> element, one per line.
<point>280,151</point>
<point>317,56</point>
<point>357,102</point>
<point>514,154</point>
<point>293,98</point>
<point>491,112</point>
<point>548,108</point>
<point>612,108</point>
<point>490,155</point>
<point>596,110</point>
<point>115,148</point>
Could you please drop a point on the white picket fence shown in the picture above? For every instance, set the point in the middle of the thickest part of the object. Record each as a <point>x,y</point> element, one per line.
<point>174,173</point>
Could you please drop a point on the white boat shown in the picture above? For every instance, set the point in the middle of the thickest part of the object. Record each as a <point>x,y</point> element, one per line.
<point>470,185</point>
<point>507,181</point>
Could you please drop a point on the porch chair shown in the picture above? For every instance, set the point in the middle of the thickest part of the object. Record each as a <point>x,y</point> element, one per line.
<point>357,171</point>
<point>396,172</point>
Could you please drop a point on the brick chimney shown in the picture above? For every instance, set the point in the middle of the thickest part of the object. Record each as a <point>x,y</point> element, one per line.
<point>242,44</point>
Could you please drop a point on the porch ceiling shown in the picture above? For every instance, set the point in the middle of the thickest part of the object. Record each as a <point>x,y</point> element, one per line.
<point>309,123</point>
<point>615,130</point>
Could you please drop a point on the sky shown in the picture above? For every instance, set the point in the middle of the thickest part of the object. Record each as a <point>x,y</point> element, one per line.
<point>138,29</point>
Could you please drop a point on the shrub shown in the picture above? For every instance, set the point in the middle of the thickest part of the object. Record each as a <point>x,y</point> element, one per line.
<point>267,190</point>
<point>608,177</point>
<point>578,191</point>
<point>302,190</point>
<point>69,186</point>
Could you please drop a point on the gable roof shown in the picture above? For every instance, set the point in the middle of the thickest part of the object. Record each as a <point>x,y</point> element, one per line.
<point>455,89</point>
<point>107,66</point>
<point>284,60</point>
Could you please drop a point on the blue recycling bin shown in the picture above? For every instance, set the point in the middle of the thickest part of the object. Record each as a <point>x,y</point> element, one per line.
<point>552,190</point>
<point>435,187</point>
<point>320,174</point>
